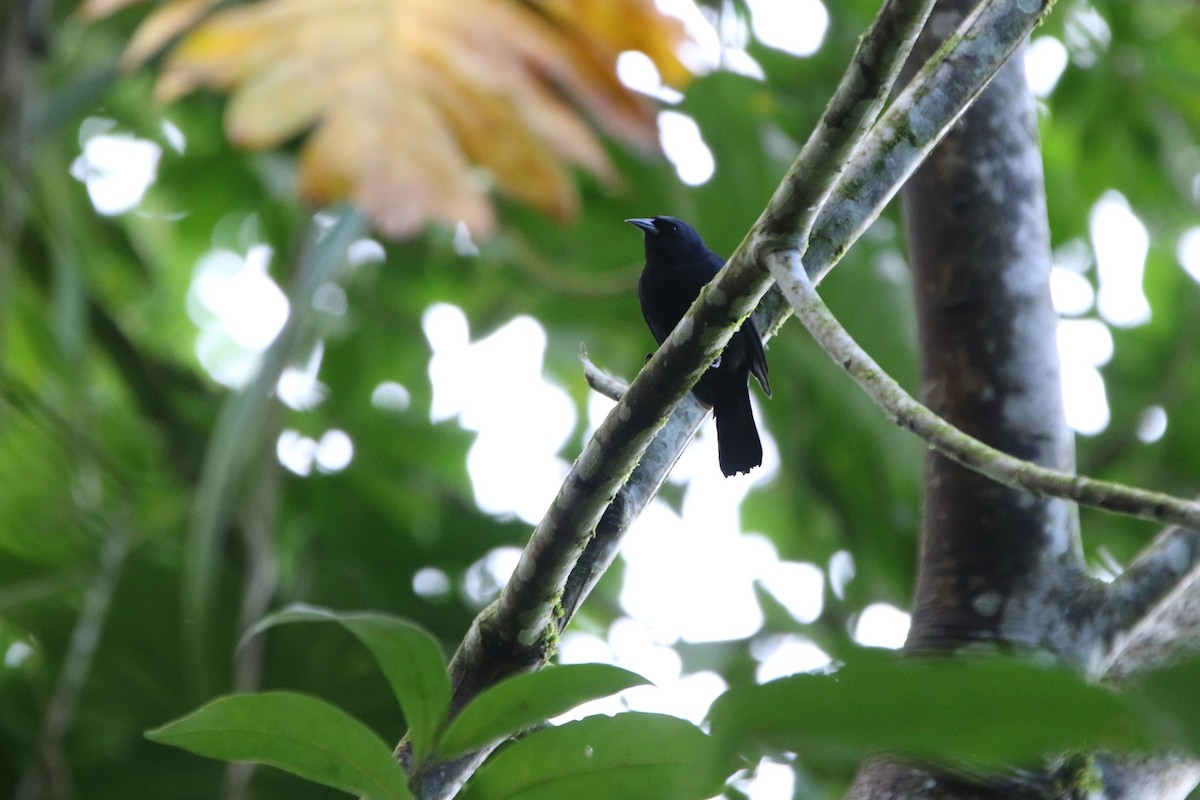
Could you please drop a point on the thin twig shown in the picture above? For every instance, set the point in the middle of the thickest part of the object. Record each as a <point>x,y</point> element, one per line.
<point>906,412</point>
<point>609,386</point>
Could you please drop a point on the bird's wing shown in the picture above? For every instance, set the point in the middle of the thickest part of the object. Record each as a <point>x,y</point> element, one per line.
<point>758,358</point>
<point>645,290</point>
<point>657,331</point>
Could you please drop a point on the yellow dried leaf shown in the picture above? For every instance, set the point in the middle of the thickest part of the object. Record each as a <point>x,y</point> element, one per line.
<point>618,25</point>
<point>404,101</point>
<point>344,158</point>
<point>99,9</point>
<point>157,30</point>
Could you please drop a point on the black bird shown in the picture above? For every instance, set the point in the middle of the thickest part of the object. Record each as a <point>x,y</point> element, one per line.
<point>678,265</point>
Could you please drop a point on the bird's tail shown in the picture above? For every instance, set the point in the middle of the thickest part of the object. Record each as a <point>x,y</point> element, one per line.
<point>738,446</point>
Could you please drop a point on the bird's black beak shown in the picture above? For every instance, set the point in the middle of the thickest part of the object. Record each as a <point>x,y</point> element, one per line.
<point>645,224</point>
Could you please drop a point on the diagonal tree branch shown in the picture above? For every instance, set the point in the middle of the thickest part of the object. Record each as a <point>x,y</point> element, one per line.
<point>894,148</point>
<point>906,412</point>
<point>916,121</point>
<point>518,632</point>
<point>1150,615</point>
<point>855,105</point>
<point>526,608</point>
<point>937,97</point>
<point>635,495</point>
<point>850,113</point>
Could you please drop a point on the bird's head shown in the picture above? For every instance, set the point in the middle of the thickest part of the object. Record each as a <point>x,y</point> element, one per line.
<point>668,235</point>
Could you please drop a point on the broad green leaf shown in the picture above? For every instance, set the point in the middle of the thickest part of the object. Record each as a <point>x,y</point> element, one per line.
<point>524,700</point>
<point>297,733</point>
<point>987,712</point>
<point>1167,699</point>
<point>626,757</point>
<point>410,658</point>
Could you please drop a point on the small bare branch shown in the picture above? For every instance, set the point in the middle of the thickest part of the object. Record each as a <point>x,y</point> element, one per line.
<point>603,383</point>
<point>906,412</point>
<point>1151,614</point>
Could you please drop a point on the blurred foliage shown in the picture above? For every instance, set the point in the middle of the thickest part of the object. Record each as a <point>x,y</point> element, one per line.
<point>107,418</point>
<point>314,740</point>
<point>403,98</point>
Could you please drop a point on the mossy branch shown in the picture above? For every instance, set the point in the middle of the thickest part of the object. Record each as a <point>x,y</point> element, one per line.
<point>905,411</point>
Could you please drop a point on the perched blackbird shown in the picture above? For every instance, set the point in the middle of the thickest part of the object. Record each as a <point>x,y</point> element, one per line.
<point>678,265</point>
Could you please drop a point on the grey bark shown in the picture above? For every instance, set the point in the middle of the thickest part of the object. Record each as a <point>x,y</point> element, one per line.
<point>1000,566</point>
<point>979,243</point>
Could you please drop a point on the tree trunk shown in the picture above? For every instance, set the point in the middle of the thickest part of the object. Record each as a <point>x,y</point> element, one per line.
<point>979,244</point>
<point>996,564</point>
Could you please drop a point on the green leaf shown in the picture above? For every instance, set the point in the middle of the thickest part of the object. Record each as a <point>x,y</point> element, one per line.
<point>409,656</point>
<point>629,756</point>
<point>525,700</point>
<point>987,712</point>
<point>294,732</point>
<point>1167,699</point>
